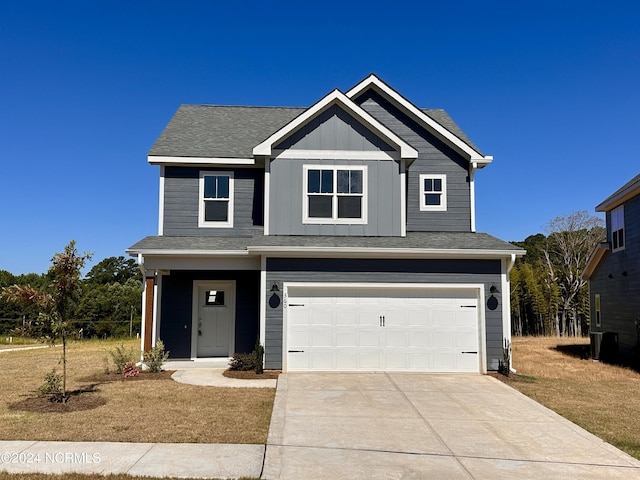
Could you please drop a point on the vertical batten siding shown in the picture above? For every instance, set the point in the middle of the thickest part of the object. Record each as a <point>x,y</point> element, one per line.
<point>334,129</point>
<point>433,157</point>
<point>182,197</point>
<point>383,199</point>
<point>486,272</point>
<point>177,308</point>
<point>620,295</point>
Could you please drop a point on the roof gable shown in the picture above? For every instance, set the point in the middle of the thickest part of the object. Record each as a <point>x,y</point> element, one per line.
<point>336,98</point>
<point>449,134</point>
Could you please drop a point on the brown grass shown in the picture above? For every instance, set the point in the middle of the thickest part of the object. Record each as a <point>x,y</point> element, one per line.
<point>601,398</point>
<point>135,411</point>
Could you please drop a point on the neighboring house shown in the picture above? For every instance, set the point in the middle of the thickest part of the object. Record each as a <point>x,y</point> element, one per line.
<point>341,236</point>
<point>613,272</point>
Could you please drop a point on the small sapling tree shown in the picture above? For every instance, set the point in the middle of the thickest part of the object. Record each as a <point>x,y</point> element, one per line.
<point>55,304</point>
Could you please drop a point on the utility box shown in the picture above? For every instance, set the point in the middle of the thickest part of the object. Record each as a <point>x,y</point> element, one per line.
<point>609,347</point>
<point>596,341</point>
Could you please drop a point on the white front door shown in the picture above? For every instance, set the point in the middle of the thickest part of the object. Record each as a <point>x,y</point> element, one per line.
<point>214,319</point>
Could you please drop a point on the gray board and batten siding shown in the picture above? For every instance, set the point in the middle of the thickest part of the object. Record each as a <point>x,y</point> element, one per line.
<point>620,294</point>
<point>177,308</point>
<point>182,197</point>
<point>334,130</point>
<point>279,270</point>
<point>286,197</point>
<point>434,157</point>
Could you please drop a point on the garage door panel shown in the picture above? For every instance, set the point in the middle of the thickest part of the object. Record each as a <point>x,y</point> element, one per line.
<point>376,329</point>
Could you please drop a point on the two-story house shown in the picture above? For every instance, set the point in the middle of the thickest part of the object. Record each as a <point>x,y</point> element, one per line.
<point>341,236</point>
<point>613,273</point>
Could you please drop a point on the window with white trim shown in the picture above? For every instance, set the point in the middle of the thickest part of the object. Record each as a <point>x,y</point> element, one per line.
<point>597,305</point>
<point>617,229</point>
<point>334,194</point>
<point>433,192</point>
<point>216,199</point>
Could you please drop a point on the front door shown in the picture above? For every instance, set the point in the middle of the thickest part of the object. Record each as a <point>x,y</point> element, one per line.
<point>215,319</point>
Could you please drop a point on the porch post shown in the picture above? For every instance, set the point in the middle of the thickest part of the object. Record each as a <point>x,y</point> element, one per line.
<point>148,312</point>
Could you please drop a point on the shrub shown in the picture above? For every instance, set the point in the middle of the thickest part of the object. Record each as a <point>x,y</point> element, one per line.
<point>121,356</point>
<point>130,370</point>
<point>259,353</point>
<point>243,362</point>
<point>52,386</point>
<point>155,357</point>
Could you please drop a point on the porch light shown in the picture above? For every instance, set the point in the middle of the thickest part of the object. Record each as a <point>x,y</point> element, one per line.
<point>274,287</point>
<point>493,289</point>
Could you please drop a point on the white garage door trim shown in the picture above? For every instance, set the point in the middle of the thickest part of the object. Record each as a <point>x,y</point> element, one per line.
<point>477,289</point>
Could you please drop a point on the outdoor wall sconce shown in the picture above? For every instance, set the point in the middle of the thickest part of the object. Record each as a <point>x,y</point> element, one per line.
<point>274,300</point>
<point>609,276</point>
<point>492,302</point>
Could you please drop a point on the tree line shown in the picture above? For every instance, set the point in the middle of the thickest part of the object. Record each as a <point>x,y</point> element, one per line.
<point>107,305</point>
<point>548,294</point>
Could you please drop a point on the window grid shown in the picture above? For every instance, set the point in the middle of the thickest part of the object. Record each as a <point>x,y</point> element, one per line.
<point>617,229</point>
<point>335,194</point>
<point>433,192</point>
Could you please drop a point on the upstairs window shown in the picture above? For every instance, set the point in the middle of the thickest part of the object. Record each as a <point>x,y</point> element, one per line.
<point>334,194</point>
<point>617,229</point>
<point>216,199</point>
<point>433,193</point>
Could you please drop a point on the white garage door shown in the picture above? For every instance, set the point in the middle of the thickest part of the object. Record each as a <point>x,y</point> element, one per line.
<point>382,329</point>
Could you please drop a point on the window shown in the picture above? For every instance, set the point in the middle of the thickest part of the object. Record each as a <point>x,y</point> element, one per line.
<point>433,193</point>
<point>334,194</point>
<point>598,318</point>
<point>214,297</point>
<point>617,229</point>
<point>216,199</point>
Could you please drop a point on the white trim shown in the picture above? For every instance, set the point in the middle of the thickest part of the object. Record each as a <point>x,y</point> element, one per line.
<point>230,286</point>
<point>263,300</point>
<point>403,198</point>
<point>335,154</point>
<point>386,91</point>
<point>478,287</point>
<point>473,166</point>
<point>188,253</point>
<point>161,205</point>
<point>202,223</point>
<point>336,98</point>
<point>334,220</point>
<point>156,310</point>
<point>266,217</point>
<point>143,313</point>
<point>167,160</point>
<point>362,252</point>
<point>505,292</point>
<point>620,197</point>
<point>597,307</point>
<point>442,207</point>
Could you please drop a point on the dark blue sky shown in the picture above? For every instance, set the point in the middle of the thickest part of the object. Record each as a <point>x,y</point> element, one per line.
<point>550,89</point>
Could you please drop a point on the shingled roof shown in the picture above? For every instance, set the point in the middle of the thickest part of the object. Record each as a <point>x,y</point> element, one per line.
<point>219,131</point>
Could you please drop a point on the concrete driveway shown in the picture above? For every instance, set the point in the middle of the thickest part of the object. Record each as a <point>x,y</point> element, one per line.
<point>388,426</point>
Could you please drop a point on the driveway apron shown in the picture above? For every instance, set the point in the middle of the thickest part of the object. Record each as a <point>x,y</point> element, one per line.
<point>394,425</point>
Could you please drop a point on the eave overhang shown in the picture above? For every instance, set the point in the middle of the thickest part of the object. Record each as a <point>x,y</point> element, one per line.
<point>336,97</point>
<point>167,160</point>
<point>416,114</point>
<point>619,197</point>
<point>594,260</point>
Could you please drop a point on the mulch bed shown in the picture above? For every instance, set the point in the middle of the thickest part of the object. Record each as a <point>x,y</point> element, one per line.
<point>75,403</point>
<point>251,375</point>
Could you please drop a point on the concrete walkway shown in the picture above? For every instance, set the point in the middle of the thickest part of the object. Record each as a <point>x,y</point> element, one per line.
<point>365,426</point>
